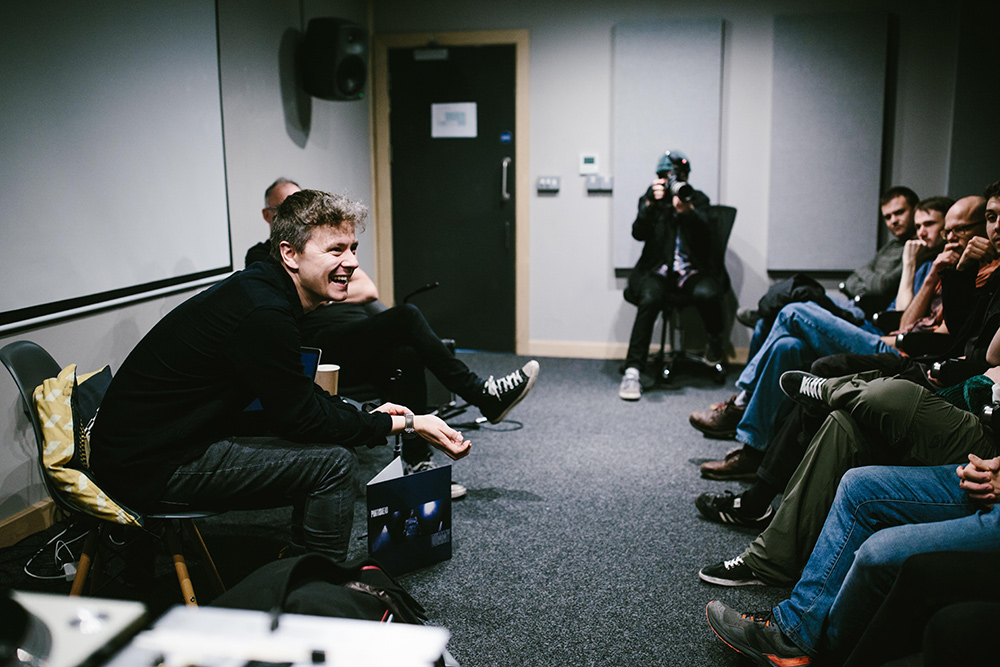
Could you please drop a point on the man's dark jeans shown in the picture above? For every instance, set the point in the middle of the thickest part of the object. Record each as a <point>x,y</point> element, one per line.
<point>318,481</point>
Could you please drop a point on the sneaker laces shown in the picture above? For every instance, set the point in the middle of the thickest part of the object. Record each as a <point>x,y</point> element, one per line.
<point>811,386</point>
<point>763,617</point>
<point>507,383</point>
<point>421,466</point>
<point>734,563</point>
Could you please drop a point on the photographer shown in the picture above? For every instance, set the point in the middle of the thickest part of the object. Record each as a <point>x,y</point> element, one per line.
<point>676,257</point>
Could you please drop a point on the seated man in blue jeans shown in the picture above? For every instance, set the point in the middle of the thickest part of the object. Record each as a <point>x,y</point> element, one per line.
<point>172,431</point>
<point>880,517</point>
<point>804,332</point>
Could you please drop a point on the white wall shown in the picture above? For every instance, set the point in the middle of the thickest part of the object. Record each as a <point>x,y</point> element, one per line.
<point>571,94</point>
<point>261,144</point>
<point>570,112</point>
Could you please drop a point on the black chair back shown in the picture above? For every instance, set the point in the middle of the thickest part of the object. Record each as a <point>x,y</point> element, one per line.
<point>30,365</point>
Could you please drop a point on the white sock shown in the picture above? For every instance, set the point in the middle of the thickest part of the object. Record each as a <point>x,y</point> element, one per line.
<point>742,399</point>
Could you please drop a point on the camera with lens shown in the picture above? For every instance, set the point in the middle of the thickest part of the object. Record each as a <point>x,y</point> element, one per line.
<point>680,189</point>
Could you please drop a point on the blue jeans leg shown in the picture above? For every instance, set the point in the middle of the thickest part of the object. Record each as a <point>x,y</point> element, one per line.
<point>318,481</point>
<point>868,499</point>
<point>818,333</point>
<point>768,404</point>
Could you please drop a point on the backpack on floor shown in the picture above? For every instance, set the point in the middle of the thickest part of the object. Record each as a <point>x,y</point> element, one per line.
<point>315,585</point>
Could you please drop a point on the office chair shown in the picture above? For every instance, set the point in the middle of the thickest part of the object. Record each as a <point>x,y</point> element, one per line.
<point>720,220</point>
<point>30,365</point>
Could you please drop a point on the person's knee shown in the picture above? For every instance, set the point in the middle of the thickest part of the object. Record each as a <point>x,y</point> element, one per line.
<point>787,346</point>
<point>854,486</point>
<point>339,464</point>
<point>877,562</point>
<point>407,315</point>
<point>829,367</point>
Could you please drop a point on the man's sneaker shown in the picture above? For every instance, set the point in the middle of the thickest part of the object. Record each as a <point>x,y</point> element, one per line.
<point>719,421</point>
<point>803,388</point>
<point>457,490</point>
<point>630,389</point>
<point>747,317</point>
<point>756,636</point>
<point>725,508</point>
<point>730,573</point>
<point>501,395</point>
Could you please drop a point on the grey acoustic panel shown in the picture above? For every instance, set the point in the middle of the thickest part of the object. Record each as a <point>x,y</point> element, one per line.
<point>667,80</point>
<point>826,140</point>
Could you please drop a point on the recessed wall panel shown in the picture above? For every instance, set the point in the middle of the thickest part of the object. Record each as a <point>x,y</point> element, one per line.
<point>826,141</point>
<point>667,81</point>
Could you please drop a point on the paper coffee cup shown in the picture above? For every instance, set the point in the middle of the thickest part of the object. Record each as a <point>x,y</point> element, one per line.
<point>327,376</point>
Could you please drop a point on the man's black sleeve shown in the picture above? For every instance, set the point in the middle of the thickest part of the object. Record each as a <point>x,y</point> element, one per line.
<point>266,351</point>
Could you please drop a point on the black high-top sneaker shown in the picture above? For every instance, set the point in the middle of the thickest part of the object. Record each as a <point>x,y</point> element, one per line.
<point>502,394</point>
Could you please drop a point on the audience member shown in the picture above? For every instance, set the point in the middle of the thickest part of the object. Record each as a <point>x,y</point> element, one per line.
<point>877,281</point>
<point>677,256</point>
<point>792,434</point>
<point>874,421</point>
<point>802,333</point>
<point>172,429</point>
<point>880,517</point>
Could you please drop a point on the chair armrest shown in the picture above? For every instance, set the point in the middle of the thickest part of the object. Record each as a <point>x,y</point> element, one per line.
<point>924,343</point>
<point>887,321</point>
<point>950,372</point>
<point>871,303</point>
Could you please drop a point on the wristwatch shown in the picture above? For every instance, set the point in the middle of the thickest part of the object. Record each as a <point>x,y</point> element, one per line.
<point>408,423</point>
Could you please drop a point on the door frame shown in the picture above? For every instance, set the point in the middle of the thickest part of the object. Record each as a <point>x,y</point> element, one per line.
<point>382,186</point>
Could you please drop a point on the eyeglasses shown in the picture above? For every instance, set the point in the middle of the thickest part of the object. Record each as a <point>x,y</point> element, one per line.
<point>962,230</point>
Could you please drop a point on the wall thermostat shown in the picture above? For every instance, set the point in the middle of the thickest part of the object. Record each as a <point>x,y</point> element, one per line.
<point>588,163</point>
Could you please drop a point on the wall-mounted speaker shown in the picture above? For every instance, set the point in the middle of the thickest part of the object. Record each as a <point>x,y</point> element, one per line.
<point>334,59</point>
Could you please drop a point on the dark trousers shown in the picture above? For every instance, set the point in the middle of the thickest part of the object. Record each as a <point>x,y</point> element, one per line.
<point>389,350</point>
<point>648,292</point>
<point>927,587</point>
<point>786,450</point>
<point>317,481</point>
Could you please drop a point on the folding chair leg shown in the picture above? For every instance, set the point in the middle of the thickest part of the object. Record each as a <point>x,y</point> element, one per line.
<point>180,567</point>
<point>209,563</point>
<point>86,560</point>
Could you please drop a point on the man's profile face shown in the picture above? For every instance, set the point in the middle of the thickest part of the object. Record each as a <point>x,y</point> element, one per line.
<point>278,195</point>
<point>993,222</point>
<point>930,228</point>
<point>898,216</point>
<point>323,269</point>
<point>957,226</point>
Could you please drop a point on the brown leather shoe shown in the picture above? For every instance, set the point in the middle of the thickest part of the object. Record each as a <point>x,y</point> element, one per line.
<point>719,421</point>
<point>739,463</point>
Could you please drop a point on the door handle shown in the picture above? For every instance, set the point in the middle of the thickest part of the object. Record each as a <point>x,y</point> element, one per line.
<point>504,192</point>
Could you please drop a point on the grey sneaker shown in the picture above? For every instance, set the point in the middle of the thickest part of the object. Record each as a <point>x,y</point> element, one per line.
<point>756,636</point>
<point>457,490</point>
<point>730,573</point>
<point>630,389</point>
<point>803,388</point>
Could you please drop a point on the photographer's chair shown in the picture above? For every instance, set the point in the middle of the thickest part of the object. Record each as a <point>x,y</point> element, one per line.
<point>31,366</point>
<point>666,363</point>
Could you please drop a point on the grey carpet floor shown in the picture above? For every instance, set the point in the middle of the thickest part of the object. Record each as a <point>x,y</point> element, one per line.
<point>579,543</point>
